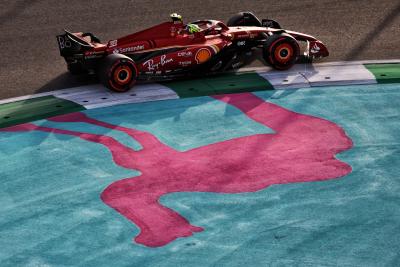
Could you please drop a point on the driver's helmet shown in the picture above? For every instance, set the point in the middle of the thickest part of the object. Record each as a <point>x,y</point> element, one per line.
<point>176,17</point>
<point>192,28</point>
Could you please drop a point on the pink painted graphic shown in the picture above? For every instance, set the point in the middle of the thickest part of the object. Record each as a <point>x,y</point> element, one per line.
<point>302,149</point>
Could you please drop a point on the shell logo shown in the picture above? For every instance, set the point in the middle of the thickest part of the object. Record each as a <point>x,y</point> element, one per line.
<point>202,55</point>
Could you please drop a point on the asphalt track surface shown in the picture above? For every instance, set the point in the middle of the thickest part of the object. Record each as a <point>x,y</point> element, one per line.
<point>30,62</point>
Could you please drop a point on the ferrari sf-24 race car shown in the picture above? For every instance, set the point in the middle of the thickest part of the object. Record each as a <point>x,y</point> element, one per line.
<point>174,49</point>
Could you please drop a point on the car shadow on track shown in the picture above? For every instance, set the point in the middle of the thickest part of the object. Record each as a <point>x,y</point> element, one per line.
<point>66,80</point>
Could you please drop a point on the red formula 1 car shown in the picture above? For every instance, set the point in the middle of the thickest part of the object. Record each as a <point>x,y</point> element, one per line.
<point>174,49</point>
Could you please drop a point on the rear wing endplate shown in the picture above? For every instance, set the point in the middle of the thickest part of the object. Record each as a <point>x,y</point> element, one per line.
<point>71,44</point>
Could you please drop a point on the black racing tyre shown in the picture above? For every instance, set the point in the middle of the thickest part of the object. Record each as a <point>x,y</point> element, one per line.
<point>244,19</point>
<point>117,72</point>
<point>76,68</point>
<point>281,51</point>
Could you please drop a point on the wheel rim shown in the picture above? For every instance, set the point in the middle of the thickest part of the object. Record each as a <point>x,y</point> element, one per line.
<point>122,75</point>
<point>283,53</point>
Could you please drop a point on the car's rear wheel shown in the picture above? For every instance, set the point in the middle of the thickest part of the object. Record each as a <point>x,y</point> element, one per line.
<point>117,72</point>
<point>281,51</point>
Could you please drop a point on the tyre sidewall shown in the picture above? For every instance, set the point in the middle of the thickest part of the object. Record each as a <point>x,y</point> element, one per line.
<point>281,41</point>
<point>108,72</point>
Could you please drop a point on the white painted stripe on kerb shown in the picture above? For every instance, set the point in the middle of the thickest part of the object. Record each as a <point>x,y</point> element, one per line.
<point>95,96</point>
<point>299,76</point>
<point>308,75</point>
<point>338,75</point>
<point>336,63</point>
<point>284,80</point>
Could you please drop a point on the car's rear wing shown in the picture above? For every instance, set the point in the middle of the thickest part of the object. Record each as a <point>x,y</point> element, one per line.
<point>71,44</point>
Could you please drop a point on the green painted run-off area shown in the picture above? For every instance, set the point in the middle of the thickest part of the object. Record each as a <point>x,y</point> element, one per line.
<point>35,109</point>
<point>385,73</point>
<point>48,106</point>
<point>220,84</point>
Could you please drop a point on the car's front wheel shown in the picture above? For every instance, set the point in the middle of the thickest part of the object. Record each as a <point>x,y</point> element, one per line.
<point>281,51</point>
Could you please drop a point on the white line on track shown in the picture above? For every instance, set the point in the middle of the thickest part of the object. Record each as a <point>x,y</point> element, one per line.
<point>300,76</point>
